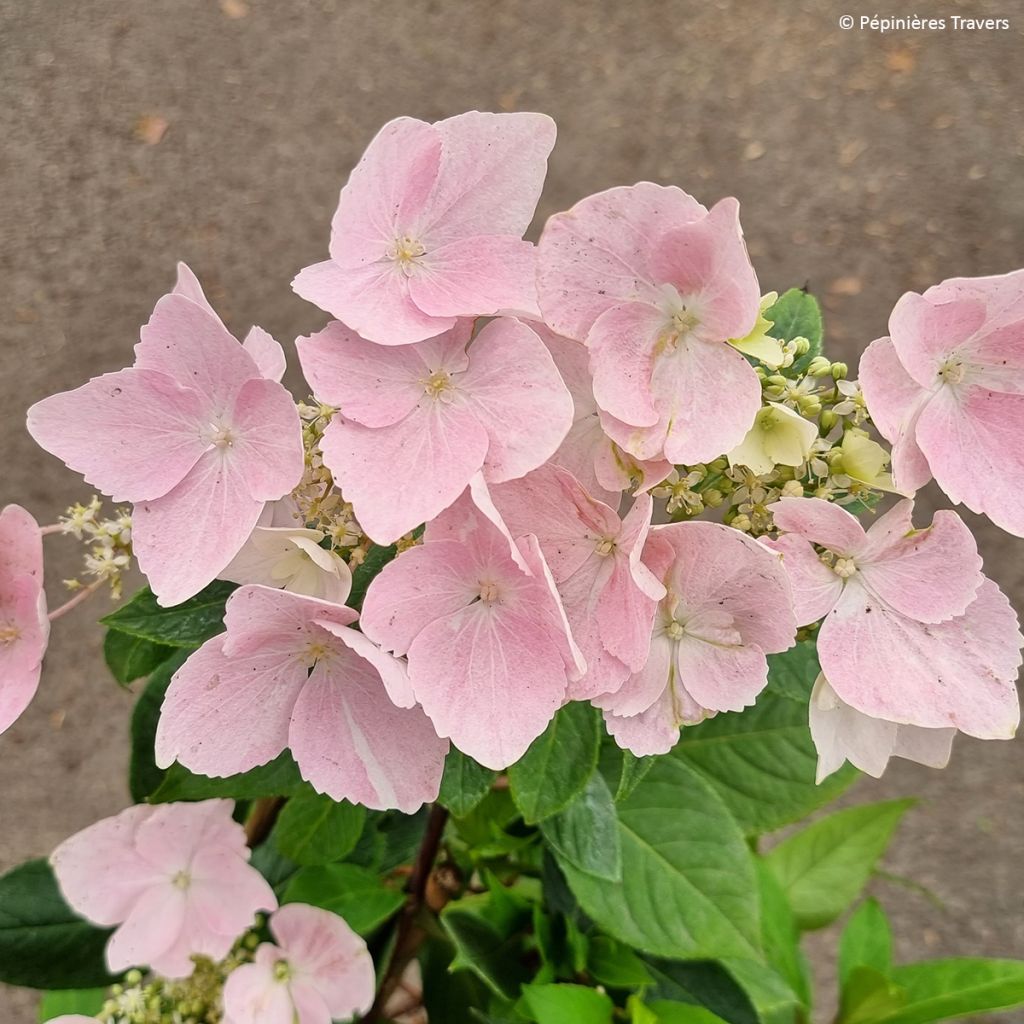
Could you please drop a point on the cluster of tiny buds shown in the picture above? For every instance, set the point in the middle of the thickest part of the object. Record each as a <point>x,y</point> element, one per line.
<point>108,544</point>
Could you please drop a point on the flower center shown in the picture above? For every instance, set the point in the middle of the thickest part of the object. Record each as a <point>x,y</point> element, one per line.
<point>438,384</point>
<point>844,568</point>
<point>489,592</point>
<point>282,970</point>
<point>681,319</point>
<point>220,435</point>
<point>405,251</point>
<point>8,634</point>
<point>605,546</point>
<point>182,880</point>
<point>316,651</point>
<point>675,630</point>
<point>952,371</point>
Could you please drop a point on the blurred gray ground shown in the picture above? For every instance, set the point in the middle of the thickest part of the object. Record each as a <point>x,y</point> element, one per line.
<point>139,133</point>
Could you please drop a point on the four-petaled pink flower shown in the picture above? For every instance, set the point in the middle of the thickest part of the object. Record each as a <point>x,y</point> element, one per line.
<point>912,632</point>
<point>417,422</point>
<point>193,434</point>
<point>24,626</point>
<point>842,733</point>
<point>174,878</point>
<point>657,286</point>
<point>489,648</point>
<point>289,672</point>
<point>316,970</point>
<point>946,388</point>
<point>727,605</point>
<point>609,595</point>
<point>429,227</point>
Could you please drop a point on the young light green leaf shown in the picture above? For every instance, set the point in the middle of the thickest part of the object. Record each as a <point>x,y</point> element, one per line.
<point>614,964</point>
<point>86,1001</point>
<point>823,868</point>
<point>558,763</point>
<point>666,1012</point>
<point>144,778</point>
<point>559,1004</point>
<point>761,763</point>
<point>866,941</point>
<point>945,989</point>
<point>464,783</point>
<point>314,829</point>
<point>796,314</point>
<point>688,887</point>
<point>868,996</point>
<point>43,942</point>
<point>781,935</point>
<point>586,834</point>
<point>185,625</point>
<point>130,657</point>
<point>357,895</point>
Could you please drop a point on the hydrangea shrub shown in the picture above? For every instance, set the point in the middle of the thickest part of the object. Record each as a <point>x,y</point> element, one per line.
<point>475,685</point>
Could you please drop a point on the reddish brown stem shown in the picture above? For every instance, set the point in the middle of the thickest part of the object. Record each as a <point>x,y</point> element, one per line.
<point>261,819</point>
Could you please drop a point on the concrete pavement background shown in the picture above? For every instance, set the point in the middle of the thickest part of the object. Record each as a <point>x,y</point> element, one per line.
<point>138,133</point>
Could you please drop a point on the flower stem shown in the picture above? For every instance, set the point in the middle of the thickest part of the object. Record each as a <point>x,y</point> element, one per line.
<point>261,819</point>
<point>83,595</point>
<point>45,531</point>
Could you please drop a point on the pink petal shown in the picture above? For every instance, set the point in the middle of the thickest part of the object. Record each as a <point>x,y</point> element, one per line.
<point>268,446</point>
<point>170,837</point>
<point>720,676</point>
<point>958,673</point>
<point>21,545</point>
<point>1002,295</point>
<point>373,300</point>
<point>655,730</point>
<point>971,439</point>
<point>820,522</point>
<point>393,673</point>
<point>187,284</point>
<point>707,263</point>
<point>352,743</point>
<point>152,927</point>
<point>324,949</point>
<point>435,451</point>
<point>224,895</point>
<point>816,588</point>
<point>491,174</point>
<point>477,276</point>
<point>254,995</point>
<point>636,528</point>
<point>209,515</point>
<point>133,434</point>
<point>618,470</point>
<point>597,254</point>
<point>895,401</point>
<point>266,353</point>
<point>208,721</point>
<point>929,575</point>
<point>515,391</point>
<point>488,679</point>
<point>98,870</point>
<point>645,686</point>
<point>22,608</point>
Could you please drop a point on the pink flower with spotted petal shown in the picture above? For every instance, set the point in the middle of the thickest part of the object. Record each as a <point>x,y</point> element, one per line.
<point>841,733</point>
<point>657,285</point>
<point>289,672</point>
<point>946,388</point>
<point>609,595</point>
<point>429,227</point>
<point>316,970</point>
<point>193,434</point>
<point>489,646</point>
<point>912,632</point>
<point>432,415</point>
<point>173,878</point>
<point>24,626</point>
<point>727,605</point>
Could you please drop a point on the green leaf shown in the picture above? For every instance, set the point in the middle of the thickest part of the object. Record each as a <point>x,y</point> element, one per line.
<point>357,895</point>
<point>43,942</point>
<point>314,829</point>
<point>585,834</point>
<point>559,1004</point>
<point>143,775</point>
<point>130,657</point>
<point>868,996</point>
<point>866,941</point>
<point>464,783</point>
<point>492,953</point>
<point>781,935</point>
<point>86,1001</point>
<point>279,777</point>
<point>688,887</point>
<point>762,763</point>
<point>774,1000</point>
<point>943,989</point>
<point>363,575</point>
<point>447,998</point>
<point>558,763</point>
<point>614,964</point>
<point>666,1012</point>
<point>185,625</point>
<point>823,868</point>
<point>792,673</point>
<point>796,314</point>
<point>705,984</point>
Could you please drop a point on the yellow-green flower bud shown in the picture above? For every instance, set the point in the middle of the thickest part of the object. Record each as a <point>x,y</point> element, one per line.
<point>839,371</point>
<point>820,367</point>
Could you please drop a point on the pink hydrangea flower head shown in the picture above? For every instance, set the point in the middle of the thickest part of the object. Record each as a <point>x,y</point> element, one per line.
<point>587,452</point>
<point>841,733</point>
<point>488,643</point>
<point>193,434</point>
<point>429,227</point>
<point>432,415</point>
<point>657,285</point>
<point>727,605</point>
<point>912,631</point>
<point>316,970</point>
<point>290,672</point>
<point>24,626</point>
<point>946,388</point>
<point>174,878</point>
<point>609,595</point>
